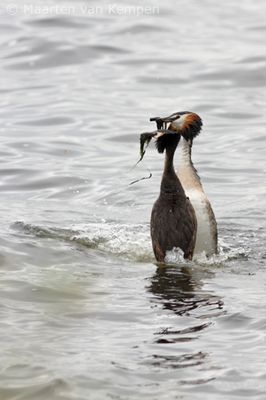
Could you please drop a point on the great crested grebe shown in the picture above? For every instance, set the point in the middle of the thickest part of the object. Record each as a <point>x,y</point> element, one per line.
<point>189,124</point>
<point>173,220</point>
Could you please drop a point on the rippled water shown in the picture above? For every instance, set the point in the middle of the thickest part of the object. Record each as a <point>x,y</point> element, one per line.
<point>85,311</point>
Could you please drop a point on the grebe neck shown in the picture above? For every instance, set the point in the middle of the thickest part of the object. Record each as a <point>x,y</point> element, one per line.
<point>187,173</point>
<point>170,185</point>
<point>169,160</point>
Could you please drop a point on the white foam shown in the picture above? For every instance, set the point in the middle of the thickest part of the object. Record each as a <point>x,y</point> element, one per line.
<point>130,241</point>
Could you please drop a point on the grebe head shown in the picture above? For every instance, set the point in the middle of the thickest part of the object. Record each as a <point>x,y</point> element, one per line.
<point>164,138</point>
<point>186,123</point>
<point>167,138</point>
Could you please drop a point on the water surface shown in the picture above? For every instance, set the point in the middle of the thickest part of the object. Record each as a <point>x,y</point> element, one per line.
<point>86,313</point>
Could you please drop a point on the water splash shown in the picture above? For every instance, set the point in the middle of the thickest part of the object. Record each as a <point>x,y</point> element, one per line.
<point>130,241</point>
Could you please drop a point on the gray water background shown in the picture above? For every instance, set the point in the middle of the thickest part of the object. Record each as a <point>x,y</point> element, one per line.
<point>85,311</point>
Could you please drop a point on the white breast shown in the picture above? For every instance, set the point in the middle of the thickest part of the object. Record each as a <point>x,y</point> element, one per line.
<point>206,240</point>
<point>207,230</point>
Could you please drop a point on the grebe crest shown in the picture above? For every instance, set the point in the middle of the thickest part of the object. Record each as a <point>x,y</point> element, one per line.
<point>186,123</point>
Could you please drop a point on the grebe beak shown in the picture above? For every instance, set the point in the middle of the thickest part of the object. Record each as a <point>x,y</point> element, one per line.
<point>162,121</point>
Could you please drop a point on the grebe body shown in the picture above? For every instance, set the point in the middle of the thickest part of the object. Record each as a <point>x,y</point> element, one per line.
<point>173,220</point>
<point>188,125</point>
